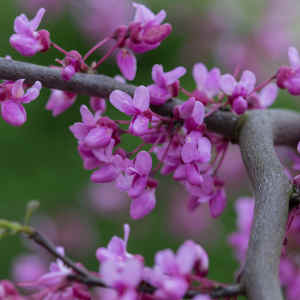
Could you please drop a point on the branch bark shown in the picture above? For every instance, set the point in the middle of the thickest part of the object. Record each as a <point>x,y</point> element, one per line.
<point>256,133</point>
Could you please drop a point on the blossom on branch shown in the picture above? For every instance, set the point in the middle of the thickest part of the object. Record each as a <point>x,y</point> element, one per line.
<point>27,40</point>
<point>289,77</point>
<point>12,98</point>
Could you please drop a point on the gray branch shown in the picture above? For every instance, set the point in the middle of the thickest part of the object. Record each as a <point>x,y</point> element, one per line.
<point>256,133</point>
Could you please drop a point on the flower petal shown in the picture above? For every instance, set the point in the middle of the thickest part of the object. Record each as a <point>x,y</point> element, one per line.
<point>127,63</point>
<point>200,75</point>
<point>294,57</point>
<point>143,204</point>
<point>227,84</point>
<point>13,113</point>
<point>122,101</point>
<point>141,99</point>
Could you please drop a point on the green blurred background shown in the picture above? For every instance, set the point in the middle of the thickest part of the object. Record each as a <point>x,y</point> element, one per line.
<point>40,161</point>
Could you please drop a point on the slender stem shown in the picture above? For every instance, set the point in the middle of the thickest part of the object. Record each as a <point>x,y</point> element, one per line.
<point>98,45</point>
<point>106,56</point>
<point>222,158</point>
<point>262,85</point>
<point>59,49</point>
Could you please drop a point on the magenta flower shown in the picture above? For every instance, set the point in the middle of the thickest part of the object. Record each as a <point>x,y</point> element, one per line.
<point>196,148</point>
<point>27,40</point>
<point>143,34</point>
<point>166,84</point>
<point>71,64</point>
<point>171,273</point>
<point>140,171</point>
<point>264,98</point>
<point>123,277</point>
<point>97,137</point>
<point>289,77</point>
<point>116,249</point>
<point>12,96</point>
<point>238,92</point>
<point>137,107</point>
<point>146,30</point>
<point>60,101</point>
<point>58,273</point>
<point>208,82</point>
<point>192,112</point>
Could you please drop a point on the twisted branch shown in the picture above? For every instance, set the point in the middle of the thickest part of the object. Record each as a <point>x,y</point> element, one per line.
<point>256,133</point>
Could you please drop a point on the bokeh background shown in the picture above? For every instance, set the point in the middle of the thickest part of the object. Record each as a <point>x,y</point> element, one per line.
<point>40,161</point>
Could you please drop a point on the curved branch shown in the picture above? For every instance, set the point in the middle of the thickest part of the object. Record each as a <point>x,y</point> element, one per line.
<point>271,190</point>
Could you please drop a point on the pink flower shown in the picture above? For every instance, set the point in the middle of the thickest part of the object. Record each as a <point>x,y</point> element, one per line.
<point>196,148</point>
<point>192,112</point>
<point>146,30</point>
<point>12,96</point>
<point>238,92</point>
<point>97,137</point>
<point>117,249</point>
<point>60,101</point>
<point>58,273</point>
<point>142,189</point>
<point>27,40</point>
<point>166,84</point>
<point>265,98</point>
<point>289,77</point>
<point>208,82</point>
<point>171,273</point>
<point>143,34</point>
<point>123,277</point>
<point>71,64</point>
<point>137,107</point>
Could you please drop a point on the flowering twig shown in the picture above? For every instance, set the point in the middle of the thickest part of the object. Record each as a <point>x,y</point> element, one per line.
<point>83,276</point>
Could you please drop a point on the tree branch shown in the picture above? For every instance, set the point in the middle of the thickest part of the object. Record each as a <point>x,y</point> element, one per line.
<point>83,276</point>
<point>256,133</point>
<point>272,191</point>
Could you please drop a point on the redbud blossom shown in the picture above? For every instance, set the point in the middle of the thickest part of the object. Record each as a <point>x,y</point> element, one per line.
<point>27,40</point>
<point>137,107</point>
<point>289,77</point>
<point>208,82</point>
<point>171,272</point>
<point>60,101</point>
<point>116,249</point>
<point>238,92</point>
<point>166,84</point>
<point>12,96</point>
<point>71,64</point>
<point>264,98</point>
